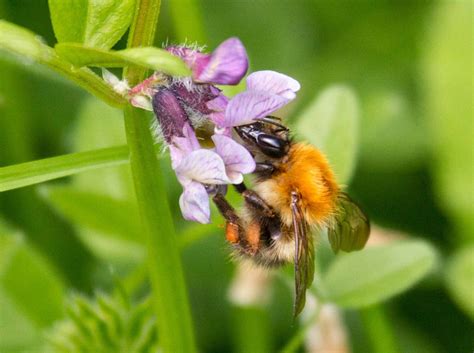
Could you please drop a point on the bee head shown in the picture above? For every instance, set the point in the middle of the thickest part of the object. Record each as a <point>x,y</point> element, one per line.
<point>267,136</point>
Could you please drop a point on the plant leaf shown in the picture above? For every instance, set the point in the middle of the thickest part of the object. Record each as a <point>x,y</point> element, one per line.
<point>116,232</point>
<point>39,171</point>
<point>28,282</point>
<point>330,123</point>
<point>100,212</point>
<point>89,133</point>
<point>29,46</point>
<point>376,274</point>
<point>149,57</point>
<point>96,23</point>
<point>459,279</point>
<point>448,94</point>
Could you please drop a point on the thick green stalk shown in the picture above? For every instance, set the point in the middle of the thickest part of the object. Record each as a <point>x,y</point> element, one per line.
<point>378,330</point>
<point>164,265</point>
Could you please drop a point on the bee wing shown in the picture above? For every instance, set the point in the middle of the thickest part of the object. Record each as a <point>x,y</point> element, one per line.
<point>304,255</point>
<point>351,226</point>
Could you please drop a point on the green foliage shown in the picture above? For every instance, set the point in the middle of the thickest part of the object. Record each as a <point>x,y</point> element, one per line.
<point>459,277</point>
<point>94,23</point>
<point>95,117</point>
<point>31,292</point>
<point>27,45</point>
<point>150,58</point>
<point>39,171</point>
<point>360,279</point>
<point>187,21</point>
<point>101,202</point>
<point>339,44</point>
<point>447,76</point>
<point>380,333</point>
<point>111,226</point>
<point>388,118</point>
<point>105,324</point>
<point>330,122</point>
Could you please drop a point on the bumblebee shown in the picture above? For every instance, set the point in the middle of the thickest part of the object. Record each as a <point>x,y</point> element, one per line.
<point>295,192</point>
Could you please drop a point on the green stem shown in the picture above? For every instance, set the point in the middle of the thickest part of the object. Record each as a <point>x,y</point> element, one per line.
<point>379,330</point>
<point>88,80</point>
<point>164,265</point>
<point>30,173</point>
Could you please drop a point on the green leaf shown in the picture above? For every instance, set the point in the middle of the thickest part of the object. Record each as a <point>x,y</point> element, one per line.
<point>106,324</point>
<point>31,292</point>
<point>89,133</point>
<point>448,94</point>
<point>149,57</point>
<point>17,331</point>
<point>28,46</point>
<point>115,223</point>
<point>330,123</point>
<point>95,23</point>
<point>39,171</point>
<point>389,114</point>
<point>459,277</point>
<point>376,274</point>
<point>110,187</point>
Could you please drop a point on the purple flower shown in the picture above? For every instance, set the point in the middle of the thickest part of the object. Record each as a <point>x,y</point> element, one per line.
<point>237,159</point>
<point>227,65</point>
<point>196,167</point>
<point>183,104</point>
<point>266,92</point>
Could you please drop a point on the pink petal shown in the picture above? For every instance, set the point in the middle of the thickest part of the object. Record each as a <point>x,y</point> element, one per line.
<point>273,82</point>
<point>217,106</point>
<point>248,106</point>
<point>204,166</point>
<point>191,57</point>
<point>236,158</point>
<point>177,156</point>
<point>219,103</point>
<point>226,66</point>
<point>194,203</point>
<point>182,146</point>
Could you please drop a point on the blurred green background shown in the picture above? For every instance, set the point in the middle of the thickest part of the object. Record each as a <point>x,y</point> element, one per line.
<point>410,64</point>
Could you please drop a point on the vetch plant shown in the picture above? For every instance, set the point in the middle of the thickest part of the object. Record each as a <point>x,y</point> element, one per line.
<point>195,121</point>
<point>183,104</point>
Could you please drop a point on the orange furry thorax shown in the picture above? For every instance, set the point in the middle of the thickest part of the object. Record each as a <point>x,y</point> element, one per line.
<point>304,170</point>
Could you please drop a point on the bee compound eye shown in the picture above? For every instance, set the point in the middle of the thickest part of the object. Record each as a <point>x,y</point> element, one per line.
<point>272,146</point>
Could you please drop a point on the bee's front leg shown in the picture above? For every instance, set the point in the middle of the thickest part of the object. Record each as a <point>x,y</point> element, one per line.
<point>232,230</point>
<point>254,199</point>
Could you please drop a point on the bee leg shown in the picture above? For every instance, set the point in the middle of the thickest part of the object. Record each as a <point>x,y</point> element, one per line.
<point>248,239</point>
<point>265,168</point>
<point>232,228</point>
<point>254,199</point>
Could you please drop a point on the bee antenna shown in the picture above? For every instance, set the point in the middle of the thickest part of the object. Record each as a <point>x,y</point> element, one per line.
<point>274,121</point>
